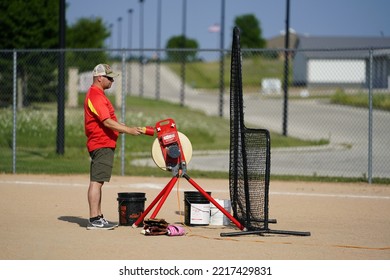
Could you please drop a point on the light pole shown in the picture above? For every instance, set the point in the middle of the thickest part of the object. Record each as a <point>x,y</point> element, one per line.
<point>141,46</point>
<point>130,31</point>
<point>183,64</point>
<point>158,42</point>
<point>222,62</point>
<point>119,34</point>
<point>129,39</point>
<point>110,43</point>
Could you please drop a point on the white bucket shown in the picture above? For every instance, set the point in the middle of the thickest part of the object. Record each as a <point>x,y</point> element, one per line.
<point>216,216</point>
<point>199,214</point>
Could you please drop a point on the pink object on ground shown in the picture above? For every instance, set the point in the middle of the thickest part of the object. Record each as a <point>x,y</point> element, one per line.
<point>175,230</point>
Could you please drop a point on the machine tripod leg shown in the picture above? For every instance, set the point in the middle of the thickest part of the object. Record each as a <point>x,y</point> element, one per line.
<point>163,196</point>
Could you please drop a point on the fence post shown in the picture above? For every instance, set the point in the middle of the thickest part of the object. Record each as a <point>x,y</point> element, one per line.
<point>61,104</point>
<point>370,120</point>
<point>123,90</point>
<point>286,70</point>
<point>14,112</point>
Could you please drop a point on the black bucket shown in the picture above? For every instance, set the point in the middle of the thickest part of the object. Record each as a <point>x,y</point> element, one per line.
<point>130,207</point>
<point>196,209</point>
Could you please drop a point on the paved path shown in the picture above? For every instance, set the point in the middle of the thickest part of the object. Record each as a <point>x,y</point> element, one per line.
<point>346,128</point>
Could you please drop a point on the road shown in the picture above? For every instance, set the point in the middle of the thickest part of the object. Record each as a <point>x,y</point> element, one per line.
<point>345,127</point>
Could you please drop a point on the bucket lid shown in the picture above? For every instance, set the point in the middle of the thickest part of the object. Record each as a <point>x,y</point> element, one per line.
<point>195,193</point>
<point>131,195</point>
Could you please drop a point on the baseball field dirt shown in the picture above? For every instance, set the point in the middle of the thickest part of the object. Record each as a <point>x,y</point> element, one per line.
<point>44,217</point>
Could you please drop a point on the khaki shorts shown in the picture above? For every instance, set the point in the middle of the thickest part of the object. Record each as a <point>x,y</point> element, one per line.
<point>101,164</point>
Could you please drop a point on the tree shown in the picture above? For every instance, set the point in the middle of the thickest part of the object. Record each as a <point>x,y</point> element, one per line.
<point>250,31</point>
<point>29,25</point>
<point>86,34</point>
<point>181,42</point>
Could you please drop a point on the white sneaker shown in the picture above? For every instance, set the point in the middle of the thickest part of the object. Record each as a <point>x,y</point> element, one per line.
<point>108,223</point>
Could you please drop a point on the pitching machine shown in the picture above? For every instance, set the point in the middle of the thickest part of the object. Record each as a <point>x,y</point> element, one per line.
<point>171,151</point>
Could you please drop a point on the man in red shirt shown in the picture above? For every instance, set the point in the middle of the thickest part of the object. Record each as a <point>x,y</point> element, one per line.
<point>102,129</point>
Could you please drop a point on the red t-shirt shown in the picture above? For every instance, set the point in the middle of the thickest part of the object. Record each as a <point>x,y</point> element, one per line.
<point>97,108</point>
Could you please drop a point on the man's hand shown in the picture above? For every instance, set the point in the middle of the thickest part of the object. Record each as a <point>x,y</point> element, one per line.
<point>135,130</point>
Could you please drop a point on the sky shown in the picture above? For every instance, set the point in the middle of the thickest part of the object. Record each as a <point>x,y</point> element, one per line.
<point>308,17</point>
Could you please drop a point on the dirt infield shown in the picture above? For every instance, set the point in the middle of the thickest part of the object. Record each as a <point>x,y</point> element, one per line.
<point>44,217</point>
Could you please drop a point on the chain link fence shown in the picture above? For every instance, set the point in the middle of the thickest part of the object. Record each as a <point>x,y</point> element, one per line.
<point>304,107</point>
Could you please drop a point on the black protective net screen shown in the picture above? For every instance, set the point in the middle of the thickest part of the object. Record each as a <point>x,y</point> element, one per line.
<point>249,156</point>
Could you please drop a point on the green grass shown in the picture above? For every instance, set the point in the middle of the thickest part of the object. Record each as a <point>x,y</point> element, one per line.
<point>316,178</point>
<point>380,101</point>
<point>207,74</point>
<point>36,137</point>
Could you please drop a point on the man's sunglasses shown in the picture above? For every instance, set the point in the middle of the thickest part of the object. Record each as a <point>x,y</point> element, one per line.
<point>109,78</point>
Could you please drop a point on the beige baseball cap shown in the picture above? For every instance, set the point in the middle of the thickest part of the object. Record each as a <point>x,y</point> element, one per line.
<point>104,70</point>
